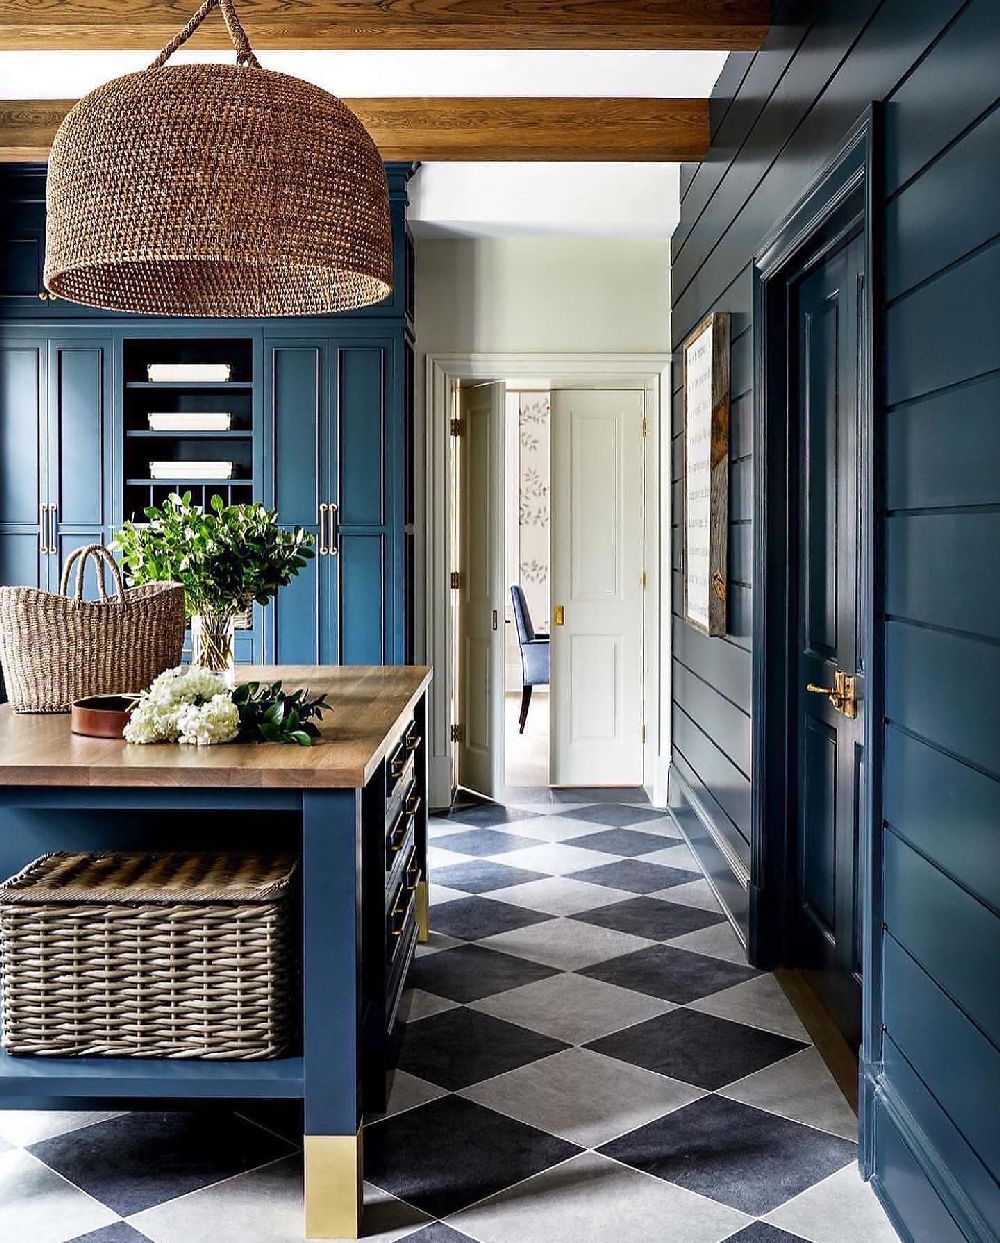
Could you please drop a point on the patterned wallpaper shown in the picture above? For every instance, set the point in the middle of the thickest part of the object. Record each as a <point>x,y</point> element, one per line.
<point>533,522</point>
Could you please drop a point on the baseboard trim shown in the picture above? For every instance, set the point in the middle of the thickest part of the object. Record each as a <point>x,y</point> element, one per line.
<point>439,782</point>
<point>714,856</point>
<point>968,1220</point>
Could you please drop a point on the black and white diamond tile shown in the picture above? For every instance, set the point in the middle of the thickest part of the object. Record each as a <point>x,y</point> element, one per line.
<point>583,1055</point>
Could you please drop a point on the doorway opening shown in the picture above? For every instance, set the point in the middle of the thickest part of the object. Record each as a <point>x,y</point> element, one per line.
<point>552,615</point>
<point>527,586</point>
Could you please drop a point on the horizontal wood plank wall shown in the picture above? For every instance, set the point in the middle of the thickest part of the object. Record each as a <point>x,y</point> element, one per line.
<point>778,117</point>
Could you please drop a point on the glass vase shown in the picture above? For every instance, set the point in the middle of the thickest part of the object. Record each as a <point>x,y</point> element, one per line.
<point>213,643</point>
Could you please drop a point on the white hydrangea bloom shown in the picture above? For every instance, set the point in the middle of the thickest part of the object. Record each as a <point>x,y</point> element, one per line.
<point>203,724</point>
<point>186,704</point>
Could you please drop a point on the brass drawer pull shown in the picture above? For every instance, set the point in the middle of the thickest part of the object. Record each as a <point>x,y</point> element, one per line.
<point>399,834</point>
<point>412,804</point>
<point>398,919</point>
<point>413,876</point>
<point>398,766</point>
<point>412,739</point>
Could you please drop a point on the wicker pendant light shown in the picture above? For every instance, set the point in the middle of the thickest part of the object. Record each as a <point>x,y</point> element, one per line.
<point>216,189</point>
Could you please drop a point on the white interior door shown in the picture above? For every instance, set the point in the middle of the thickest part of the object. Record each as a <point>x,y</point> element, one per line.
<point>481,566</point>
<point>597,563</point>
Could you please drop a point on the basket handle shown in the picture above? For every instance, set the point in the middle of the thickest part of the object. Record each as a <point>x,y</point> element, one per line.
<point>244,52</point>
<point>101,558</point>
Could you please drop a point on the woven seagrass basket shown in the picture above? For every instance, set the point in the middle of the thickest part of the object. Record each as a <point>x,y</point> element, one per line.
<point>55,649</point>
<point>149,955</point>
<point>213,189</point>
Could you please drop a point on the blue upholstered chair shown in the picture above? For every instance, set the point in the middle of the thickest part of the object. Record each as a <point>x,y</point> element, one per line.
<point>534,653</point>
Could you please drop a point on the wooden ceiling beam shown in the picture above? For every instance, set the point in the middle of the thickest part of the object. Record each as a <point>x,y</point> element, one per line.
<point>640,130</point>
<point>394,24</point>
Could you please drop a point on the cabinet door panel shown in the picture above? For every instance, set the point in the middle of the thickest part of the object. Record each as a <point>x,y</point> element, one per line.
<point>362,571</point>
<point>79,384</point>
<point>296,618</point>
<point>298,406</point>
<point>20,267</point>
<point>361,408</point>
<point>21,565</point>
<point>22,399</point>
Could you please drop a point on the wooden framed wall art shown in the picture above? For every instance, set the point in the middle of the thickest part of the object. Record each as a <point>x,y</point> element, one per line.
<point>705,355</point>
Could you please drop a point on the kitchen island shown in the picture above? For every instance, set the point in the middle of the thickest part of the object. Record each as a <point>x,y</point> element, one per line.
<point>353,806</point>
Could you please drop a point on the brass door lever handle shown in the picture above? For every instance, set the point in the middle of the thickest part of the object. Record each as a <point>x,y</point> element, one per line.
<point>843,694</point>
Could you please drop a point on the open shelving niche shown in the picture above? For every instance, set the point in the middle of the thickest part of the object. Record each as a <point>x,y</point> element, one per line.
<point>143,397</point>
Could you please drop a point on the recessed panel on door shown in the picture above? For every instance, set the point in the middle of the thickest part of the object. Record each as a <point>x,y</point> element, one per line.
<point>21,431</point>
<point>594,687</point>
<point>596,523</point>
<point>297,379</point>
<point>361,564</point>
<point>77,376</point>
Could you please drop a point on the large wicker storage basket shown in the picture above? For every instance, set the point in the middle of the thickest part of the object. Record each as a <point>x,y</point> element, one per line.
<point>54,650</point>
<point>149,955</point>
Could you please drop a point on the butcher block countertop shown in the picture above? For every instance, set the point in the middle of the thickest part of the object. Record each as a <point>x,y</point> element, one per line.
<point>370,708</point>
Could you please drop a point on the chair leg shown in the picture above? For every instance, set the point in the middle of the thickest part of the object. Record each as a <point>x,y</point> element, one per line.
<point>525,701</point>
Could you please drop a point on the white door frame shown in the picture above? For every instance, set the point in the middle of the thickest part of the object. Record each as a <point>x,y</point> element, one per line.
<point>649,373</point>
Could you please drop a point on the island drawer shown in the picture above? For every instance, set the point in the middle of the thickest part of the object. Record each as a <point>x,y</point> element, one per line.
<point>401,936</point>
<point>400,768</point>
<point>400,841</point>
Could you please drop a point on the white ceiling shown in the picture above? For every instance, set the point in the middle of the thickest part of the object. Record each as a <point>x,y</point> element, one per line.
<point>463,199</point>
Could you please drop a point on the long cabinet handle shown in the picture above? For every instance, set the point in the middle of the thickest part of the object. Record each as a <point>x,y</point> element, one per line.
<point>323,548</point>
<point>334,520</point>
<point>47,529</point>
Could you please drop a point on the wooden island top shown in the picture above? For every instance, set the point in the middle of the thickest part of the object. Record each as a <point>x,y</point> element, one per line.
<point>369,708</point>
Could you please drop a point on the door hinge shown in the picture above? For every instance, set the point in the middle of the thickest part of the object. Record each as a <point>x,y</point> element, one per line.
<point>645,426</point>
<point>456,427</point>
<point>643,581</point>
<point>456,733</point>
<point>456,580</point>
<point>643,733</point>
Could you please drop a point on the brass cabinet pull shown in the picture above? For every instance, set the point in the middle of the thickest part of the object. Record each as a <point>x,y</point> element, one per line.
<point>321,523</point>
<point>559,615</point>
<point>413,804</point>
<point>412,739</point>
<point>412,876</point>
<point>47,529</point>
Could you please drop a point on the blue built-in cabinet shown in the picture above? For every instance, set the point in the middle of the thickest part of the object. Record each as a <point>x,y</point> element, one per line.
<point>321,431</point>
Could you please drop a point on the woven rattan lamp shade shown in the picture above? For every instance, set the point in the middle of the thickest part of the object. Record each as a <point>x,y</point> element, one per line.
<point>216,190</point>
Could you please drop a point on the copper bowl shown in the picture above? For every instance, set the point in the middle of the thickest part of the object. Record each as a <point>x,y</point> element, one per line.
<point>101,716</point>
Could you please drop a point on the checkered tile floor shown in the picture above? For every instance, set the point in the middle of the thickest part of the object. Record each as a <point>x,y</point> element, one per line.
<point>586,1056</point>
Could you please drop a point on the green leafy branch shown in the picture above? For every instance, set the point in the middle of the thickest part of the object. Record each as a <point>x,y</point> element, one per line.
<point>267,713</point>
<point>226,556</point>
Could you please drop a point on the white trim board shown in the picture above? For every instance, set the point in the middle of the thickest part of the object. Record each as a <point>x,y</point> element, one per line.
<point>648,372</point>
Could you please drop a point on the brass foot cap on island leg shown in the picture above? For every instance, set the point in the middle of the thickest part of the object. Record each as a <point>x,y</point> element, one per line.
<point>333,1186</point>
<point>422,903</point>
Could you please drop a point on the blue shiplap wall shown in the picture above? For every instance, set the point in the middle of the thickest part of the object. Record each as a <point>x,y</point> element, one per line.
<point>778,117</point>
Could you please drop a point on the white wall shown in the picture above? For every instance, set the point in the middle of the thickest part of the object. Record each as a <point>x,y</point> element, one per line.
<point>543,295</point>
<point>551,296</point>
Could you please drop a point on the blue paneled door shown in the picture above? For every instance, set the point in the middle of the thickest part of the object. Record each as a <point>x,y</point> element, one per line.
<point>326,403</point>
<point>826,937</point>
<point>54,446</point>
<point>302,623</point>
